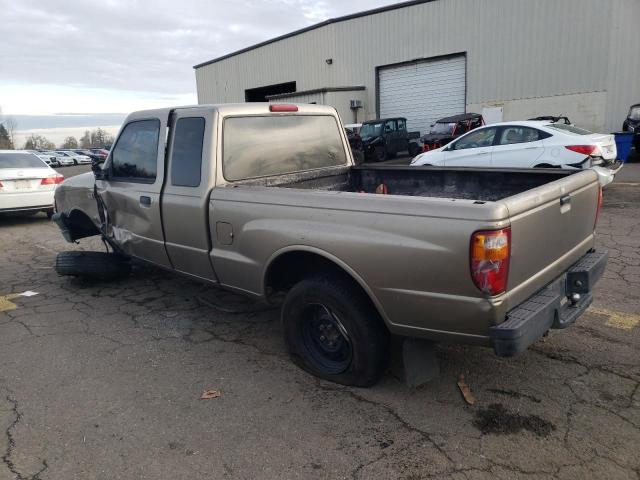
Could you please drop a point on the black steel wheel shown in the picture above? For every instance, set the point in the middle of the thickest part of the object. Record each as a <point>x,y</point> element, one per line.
<point>333,331</point>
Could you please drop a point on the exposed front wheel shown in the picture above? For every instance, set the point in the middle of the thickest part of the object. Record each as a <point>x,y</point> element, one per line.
<point>94,265</point>
<point>333,331</point>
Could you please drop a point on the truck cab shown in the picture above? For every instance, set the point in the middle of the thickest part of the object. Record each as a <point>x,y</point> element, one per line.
<point>384,138</point>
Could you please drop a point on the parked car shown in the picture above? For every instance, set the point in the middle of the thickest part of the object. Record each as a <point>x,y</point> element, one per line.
<point>27,183</point>
<point>383,138</point>
<point>446,129</point>
<point>632,124</point>
<point>355,142</point>
<point>100,153</point>
<point>52,161</point>
<point>354,127</point>
<point>77,158</point>
<point>528,144</point>
<point>63,160</point>
<point>351,265</point>
<point>89,154</point>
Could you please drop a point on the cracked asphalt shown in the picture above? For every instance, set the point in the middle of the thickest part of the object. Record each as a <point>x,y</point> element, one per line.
<point>103,381</point>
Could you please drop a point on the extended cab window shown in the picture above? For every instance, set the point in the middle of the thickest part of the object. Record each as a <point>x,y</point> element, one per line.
<point>259,146</point>
<point>135,155</point>
<point>186,159</point>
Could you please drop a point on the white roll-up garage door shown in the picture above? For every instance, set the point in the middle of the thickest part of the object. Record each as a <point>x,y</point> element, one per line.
<point>423,91</point>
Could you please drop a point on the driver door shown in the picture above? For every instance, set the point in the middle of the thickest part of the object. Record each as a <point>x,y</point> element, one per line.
<point>471,150</point>
<point>131,188</point>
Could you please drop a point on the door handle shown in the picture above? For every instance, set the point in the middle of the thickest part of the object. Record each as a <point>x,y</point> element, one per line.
<point>145,201</point>
<point>484,153</point>
<point>564,200</point>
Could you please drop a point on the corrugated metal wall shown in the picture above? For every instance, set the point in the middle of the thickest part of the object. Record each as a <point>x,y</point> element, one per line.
<point>516,49</point>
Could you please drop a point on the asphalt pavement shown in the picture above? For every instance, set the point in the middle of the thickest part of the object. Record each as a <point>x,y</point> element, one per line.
<point>104,381</point>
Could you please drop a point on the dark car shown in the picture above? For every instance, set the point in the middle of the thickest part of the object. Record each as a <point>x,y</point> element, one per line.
<point>88,153</point>
<point>632,124</point>
<point>449,128</point>
<point>383,138</point>
<point>355,142</point>
<point>100,153</point>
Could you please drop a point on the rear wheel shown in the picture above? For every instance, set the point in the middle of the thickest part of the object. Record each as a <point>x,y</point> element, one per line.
<point>333,331</point>
<point>414,149</point>
<point>96,265</point>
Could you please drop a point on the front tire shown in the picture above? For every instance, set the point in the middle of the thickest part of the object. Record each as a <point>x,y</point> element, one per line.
<point>93,265</point>
<point>380,153</point>
<point>332,331</point>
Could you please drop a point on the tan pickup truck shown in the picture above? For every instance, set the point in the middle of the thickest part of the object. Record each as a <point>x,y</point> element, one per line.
<point>265,200</point>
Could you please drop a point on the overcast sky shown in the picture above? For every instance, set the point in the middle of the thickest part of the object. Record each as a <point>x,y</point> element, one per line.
<point>81,56</point>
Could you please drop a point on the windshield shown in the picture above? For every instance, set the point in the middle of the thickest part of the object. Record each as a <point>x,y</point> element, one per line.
<point>371,130</point>
<point>443,128</point>
<point>570,129</point>
<point>20,160</point>
<point>634,112</point>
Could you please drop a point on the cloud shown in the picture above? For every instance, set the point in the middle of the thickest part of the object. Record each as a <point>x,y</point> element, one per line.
<point>139,46</point>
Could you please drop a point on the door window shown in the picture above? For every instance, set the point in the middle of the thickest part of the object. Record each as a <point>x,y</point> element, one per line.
<point>186,156</point>
<point>402,124</point>
<point>390,126</point>
<point>512,135</point>
<point>135,156</point>
<point>476,139</point>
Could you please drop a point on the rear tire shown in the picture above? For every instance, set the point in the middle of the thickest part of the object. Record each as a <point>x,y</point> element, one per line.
<point>332,331</point>
<point>414,149</point>
<point>95,265</point>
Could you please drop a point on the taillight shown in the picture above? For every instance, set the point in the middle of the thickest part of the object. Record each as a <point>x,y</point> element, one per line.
<point>599,207</point>
<point>592,150</point>
<point>282,107</point>
<point>52,180</point>
<point>490,254</point>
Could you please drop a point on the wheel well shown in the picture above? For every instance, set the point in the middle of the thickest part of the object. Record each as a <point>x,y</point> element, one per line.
<point>545,165</point>
<point>291,267</point>
<point>81,225</point>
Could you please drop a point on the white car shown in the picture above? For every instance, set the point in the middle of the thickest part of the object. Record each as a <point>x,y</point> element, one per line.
<point>50,160</point>
<point>76,158</point>
<point>27,184</point>
<point>528,144</point>
<point>63,160</point>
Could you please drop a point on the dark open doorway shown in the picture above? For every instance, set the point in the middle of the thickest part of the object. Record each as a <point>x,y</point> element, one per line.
<point>260,94</point>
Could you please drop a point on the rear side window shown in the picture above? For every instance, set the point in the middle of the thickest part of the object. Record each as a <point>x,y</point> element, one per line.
<point>20,160</point>
<point>135,155</point>
<point>520,135</point>
<point>402,124</point>
<point>186,159</point>
<point>259,146</point>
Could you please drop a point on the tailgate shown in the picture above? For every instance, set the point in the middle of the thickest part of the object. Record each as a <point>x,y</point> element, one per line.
<point>552,226</point>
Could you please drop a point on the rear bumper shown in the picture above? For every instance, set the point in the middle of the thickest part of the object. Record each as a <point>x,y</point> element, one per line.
<point>551,307</point>
<point>25,201</point>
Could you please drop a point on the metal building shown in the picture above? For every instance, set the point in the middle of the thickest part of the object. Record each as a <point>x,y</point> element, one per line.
<point>427,59</point>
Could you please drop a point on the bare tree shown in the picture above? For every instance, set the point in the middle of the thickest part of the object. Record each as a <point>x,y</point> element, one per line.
<point>5,140</point>
<point>70,142</point>
<point>38,142</point>
<point>85,140</point>
<point>11,125</point>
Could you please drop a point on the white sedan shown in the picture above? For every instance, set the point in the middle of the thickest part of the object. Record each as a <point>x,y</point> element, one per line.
<point>63,160</point>
<point>528,144</point>
<point>76,158</point>
<point>27,184</point>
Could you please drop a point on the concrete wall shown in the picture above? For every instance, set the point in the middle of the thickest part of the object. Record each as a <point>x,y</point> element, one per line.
<point>527,55</point>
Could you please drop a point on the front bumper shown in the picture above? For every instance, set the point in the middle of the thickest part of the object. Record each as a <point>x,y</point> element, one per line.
<point>557,305</point>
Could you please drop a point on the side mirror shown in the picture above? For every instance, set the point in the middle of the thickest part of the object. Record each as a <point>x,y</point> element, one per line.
<point>98,171</point>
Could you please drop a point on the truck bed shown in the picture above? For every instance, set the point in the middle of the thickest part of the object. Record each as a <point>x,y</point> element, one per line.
<point>482,185</point>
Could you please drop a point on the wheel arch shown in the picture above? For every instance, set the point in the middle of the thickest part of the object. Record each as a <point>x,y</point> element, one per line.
<point>291,264</point>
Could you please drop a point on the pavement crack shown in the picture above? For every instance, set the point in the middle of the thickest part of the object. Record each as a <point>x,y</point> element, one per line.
<point>11,445</point>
